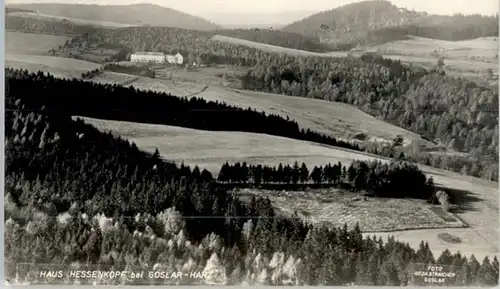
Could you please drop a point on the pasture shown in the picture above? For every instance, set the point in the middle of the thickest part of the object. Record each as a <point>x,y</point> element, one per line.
<point>477,200</point>
<point>35,44</point>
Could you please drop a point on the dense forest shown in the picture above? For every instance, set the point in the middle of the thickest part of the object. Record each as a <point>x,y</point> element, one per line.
<point>395,180</point>
<point>77,195</point>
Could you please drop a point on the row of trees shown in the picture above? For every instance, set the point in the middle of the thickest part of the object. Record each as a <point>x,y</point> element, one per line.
<point>74,194</point>
<point>92,73</point>
<point>395,179</point>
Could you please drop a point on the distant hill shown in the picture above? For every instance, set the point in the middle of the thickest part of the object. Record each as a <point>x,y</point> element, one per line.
<point>137,14</point>
<point>375,22</point>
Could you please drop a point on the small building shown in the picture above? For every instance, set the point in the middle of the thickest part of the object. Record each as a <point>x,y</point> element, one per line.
<point>175,59</point>
<point>146,57</point>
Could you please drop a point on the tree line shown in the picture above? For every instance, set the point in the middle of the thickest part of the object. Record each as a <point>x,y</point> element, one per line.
<point>130,69</point>
<point>77,195</point>
<point>396,179</point>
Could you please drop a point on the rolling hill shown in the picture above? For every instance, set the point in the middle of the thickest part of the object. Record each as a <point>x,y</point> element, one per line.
<point>137,14</point>
<point>381,21</point>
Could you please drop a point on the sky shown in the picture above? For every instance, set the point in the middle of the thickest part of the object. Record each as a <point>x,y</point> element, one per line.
<point>288,10</point>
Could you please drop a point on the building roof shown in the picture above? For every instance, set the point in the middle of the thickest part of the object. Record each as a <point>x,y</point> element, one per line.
<point>149,53</point>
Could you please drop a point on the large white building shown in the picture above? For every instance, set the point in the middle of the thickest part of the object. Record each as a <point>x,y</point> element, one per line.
<point>157,57</point>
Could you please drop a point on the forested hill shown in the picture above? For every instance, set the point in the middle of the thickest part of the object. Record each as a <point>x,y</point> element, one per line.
<point>74,195</point>
<point>136,14</point>
<point>356,23</point>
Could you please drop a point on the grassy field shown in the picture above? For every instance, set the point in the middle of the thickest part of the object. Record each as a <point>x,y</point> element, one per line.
<point>57,66</point>
<point>35,44</point>
<point>76,21</point>
<point>476,199</point>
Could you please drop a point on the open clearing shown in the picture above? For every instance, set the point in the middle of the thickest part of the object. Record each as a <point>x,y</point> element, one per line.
<point>336,207</point>
<point>76,21</point>
<point>478,199</point>
<point>28,43</point>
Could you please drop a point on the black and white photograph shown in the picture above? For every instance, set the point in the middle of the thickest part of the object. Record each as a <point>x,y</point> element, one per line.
<point>243,143</point>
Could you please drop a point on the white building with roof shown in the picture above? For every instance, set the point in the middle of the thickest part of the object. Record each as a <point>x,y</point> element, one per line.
<point>155,57</point>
